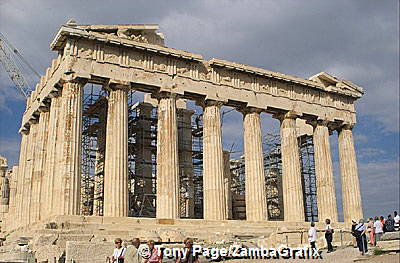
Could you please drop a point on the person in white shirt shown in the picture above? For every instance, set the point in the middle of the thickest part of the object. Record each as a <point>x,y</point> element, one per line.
<point>378,229</point>
<point>312,235</point>
<point>119,252</point>
<point>329,235</point>
<point>396,221</point>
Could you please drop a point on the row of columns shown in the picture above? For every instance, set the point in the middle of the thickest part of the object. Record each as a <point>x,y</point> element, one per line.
<point>50,162</point>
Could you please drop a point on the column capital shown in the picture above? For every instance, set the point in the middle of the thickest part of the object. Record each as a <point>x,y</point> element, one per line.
<point>165,94</point>
<point>72,79</point>
<point>114,85</point>
<point>246,110</point>
<point>286,115</point>
<point>345,126</point>
<point>314,123</point>
<point>207,103</point>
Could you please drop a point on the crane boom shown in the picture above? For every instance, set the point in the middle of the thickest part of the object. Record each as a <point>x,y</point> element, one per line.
<point>11,67</point>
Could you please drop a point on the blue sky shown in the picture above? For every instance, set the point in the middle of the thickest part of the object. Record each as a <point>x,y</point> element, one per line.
<point>354,40</point>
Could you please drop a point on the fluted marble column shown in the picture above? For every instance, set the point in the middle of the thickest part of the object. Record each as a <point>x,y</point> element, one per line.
<point>291,171</point>
<point>116,159</point>
<point>256,204</point>
<point>352,205</point>
<point>20,179</point>
<point>213,163</point>
<point>68,185</point>
<point>27,197</point>
<point>55,134</point>
<point>326,197</point>
<point>167,159</point>
<point>39,167</point>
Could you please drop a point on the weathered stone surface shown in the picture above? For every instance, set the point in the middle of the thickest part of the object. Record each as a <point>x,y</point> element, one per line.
<point>389,245</point>
<point>171,236</point>
<point>88,252</point>
<point>391,236</point>
<point>49,252</point>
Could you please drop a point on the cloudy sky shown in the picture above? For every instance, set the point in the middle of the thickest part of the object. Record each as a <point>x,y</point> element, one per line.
<point>356,40</point>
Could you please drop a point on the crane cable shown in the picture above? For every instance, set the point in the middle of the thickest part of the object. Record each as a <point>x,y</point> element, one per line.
<point>15,51</point>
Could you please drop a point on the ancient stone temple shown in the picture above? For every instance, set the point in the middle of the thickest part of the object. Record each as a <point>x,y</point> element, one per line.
<point>122,59</point>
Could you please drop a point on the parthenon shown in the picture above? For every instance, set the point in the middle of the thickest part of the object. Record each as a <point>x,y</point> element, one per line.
<point>139,160</point>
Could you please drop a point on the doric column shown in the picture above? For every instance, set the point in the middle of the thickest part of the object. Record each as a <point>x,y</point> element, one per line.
<point>69,161</point>
<point>228,185</point>
<point>326,197</point>
<point>291,171</point>
<point>39,166</point>
<point>53,150</point>
<point>27,197</point>
<point>116,159</point>
<point>352,205</point>
<point>20,179</point>
<point>167,159</point>
<point>213,163</point>
<point>256,204</point>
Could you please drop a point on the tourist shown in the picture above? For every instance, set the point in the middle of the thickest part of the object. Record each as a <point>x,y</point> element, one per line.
<point>132,254</point>
<point>396,221</point>
<point>353,226</point>
<point>119,252</point>
<point>189,257</point>
<point>329,235</point>
<point>378,230</point>
<point>361,237</point>
<point>370,231</point>
<point>312,235</point>
<point>389,224</point>
<point>155,256</point>
<point>382,219</point>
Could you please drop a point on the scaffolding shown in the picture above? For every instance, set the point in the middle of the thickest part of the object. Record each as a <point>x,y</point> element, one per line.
<point>142,154</point>
<point>306,148</point>
<point>273,176</point>
<point>142,163</point>
<point>93,146</point>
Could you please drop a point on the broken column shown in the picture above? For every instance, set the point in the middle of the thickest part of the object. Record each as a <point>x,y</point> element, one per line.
<point>228,185</point>
<point>4,189</point>
<point>351,195</point>
<point>256,204</point>
<point>291,171</point>
<point>167,159</point>
<point>213,163</point>
<point>116,159</point>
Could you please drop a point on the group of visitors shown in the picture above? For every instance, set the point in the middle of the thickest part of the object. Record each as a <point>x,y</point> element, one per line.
<point>374,229</point>
<point>379,225</point>
<point>129,253</point>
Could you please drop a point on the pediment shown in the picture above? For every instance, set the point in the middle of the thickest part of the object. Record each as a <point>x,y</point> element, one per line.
<point>334,84</point>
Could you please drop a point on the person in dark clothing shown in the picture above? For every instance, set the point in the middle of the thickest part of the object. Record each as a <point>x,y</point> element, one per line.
<point>189,257</point>
<point>360,230</point>
<point>389,224</point>
<point>353,226</point>
<point>329,235</point>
